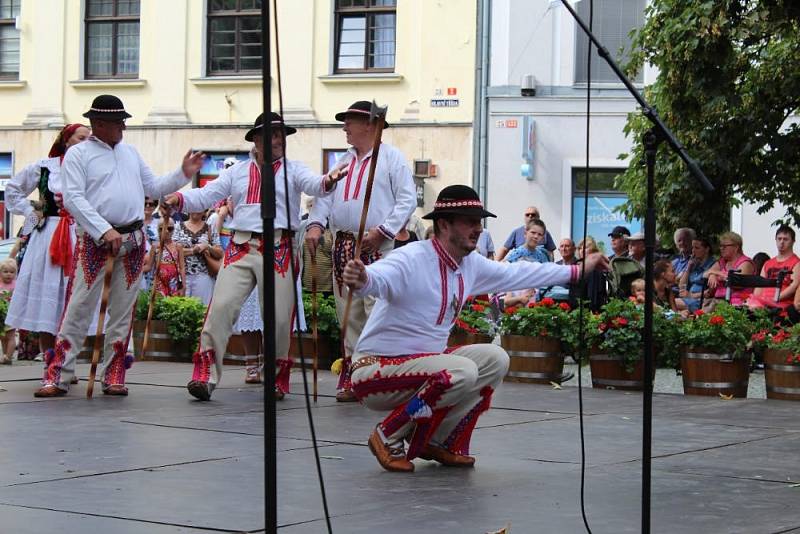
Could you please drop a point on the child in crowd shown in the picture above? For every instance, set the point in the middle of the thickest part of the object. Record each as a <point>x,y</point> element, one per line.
<point>169,279</point>
<point>8,278</point>
<point>637,291</point>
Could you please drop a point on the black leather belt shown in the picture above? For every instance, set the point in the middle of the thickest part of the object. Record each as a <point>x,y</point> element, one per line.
<point>284,233</point>
<point>129,228</point>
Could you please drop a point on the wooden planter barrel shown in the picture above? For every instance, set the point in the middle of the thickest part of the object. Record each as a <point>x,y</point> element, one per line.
<point>236,351</point>
<point>608,372</point>
<point>327,351</point>
<point>536,360</point>
<point>160,345</point>
<point>708,373</point>
<point>85,355</point>
<point>458,339</point>
<point>783,379</point>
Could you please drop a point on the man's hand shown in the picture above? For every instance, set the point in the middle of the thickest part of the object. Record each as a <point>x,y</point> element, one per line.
<point>200,248</point>
<point>113,240</point>
<point>372,241</point>
<point>335,175</point>
<point>172,200</point>
<point>713,281</point>
<point>192,163</point>
<point>355,274</point>
<point>313,235</point>
<point>596,262</point>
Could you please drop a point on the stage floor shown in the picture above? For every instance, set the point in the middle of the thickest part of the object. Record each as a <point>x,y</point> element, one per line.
<point>159,462</point>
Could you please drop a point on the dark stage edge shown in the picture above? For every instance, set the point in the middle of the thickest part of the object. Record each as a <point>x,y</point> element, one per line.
<point>159,462</point>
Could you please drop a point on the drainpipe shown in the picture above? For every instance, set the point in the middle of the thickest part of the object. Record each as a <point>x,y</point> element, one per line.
<point>480,139</point>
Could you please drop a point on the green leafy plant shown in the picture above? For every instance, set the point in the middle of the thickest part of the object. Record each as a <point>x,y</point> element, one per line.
<point>142,302</point>
<point>727,330</point>
<point>184,317</point>
<point>667,338</point>
<point>327,321</point>
<point>475,318</point>
<point>5,299</point>
<point>787,339</point>
<point>545,318</point>
<point>618,331</point>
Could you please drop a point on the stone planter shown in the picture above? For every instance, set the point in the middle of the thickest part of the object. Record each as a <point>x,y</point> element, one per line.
<point>709,373</point>
<point>458,339</point>
<point>783,379</point>
<point>160,346</point>
<point>536,360</point>
<point>608,372</point>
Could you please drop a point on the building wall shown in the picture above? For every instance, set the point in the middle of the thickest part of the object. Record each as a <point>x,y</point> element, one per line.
<point>175,105</point>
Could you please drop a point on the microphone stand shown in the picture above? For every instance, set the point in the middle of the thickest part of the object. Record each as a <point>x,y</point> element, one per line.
<point>268,277</point>
<point>652,138</point>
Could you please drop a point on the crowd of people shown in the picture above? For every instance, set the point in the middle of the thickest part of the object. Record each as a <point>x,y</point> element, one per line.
<point>105,224</point>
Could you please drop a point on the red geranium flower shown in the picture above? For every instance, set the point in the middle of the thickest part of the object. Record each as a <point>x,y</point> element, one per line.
<point>716,320</point>
<point>512,310</point>
<point>782,335</point>
<point>478,307</point>
<point>564,306</point>
<point>789,359</point>
<point>797,358</point>
<point>547,301</point>
<point>603,327</point>
<point>543,332</point>
<point>698,313</point>
<point>532,304</point>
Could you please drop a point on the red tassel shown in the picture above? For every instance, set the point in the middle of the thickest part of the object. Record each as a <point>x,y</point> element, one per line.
<point>61,245</point>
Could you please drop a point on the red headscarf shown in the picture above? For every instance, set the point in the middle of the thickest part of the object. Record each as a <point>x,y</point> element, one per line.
<point>59,147</point>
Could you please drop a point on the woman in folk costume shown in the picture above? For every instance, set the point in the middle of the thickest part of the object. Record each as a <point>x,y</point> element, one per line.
<point>38,301</point>
<point>242,270</point>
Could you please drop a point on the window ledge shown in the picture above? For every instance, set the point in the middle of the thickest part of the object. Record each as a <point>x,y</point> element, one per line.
<point>12,84</point>
<point>366,77</point>
<point>227,80</point>
<point>121,82</point>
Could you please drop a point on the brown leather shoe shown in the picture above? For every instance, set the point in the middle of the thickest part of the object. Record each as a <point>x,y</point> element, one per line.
<point>49,390</point>
<point>279,395</point>
<point>346,395</point>
<point>390,458</point>
<point>445,457</point>
<point>117,390</point>
<point>252,377</point>
<point>199,390</point>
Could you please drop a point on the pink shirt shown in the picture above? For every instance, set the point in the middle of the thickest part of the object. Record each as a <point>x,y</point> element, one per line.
<point>738,296</point>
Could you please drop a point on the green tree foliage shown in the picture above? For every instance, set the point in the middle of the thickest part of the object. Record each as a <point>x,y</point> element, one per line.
<point>729,80</point>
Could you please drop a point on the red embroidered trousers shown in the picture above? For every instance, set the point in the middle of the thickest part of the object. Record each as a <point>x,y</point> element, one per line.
<point>433,397</point>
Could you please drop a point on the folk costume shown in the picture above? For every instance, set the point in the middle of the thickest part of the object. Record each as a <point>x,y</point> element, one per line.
<point>393,201</point>
<point>435,394</point>
<point>104,188</point>
<point>242,262</point>
<point>38,301</point>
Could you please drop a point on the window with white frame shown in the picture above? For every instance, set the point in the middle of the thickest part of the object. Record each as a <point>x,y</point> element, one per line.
<point>365,35</point>
<point>9,39</point>
<point>613,21</point>
<point>112,39</point>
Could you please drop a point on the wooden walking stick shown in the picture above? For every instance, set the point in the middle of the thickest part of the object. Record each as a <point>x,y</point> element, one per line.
<point>101,322</point>
<point>377,114</point>
<point>314,330</point>
<point>162,237</point>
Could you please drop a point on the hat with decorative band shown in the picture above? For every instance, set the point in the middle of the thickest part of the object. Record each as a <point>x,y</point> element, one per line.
<point>275,119</point>
<point>458,200</point>
<point>361,108</point>
<point>107,107</point>
<point>619,231</point>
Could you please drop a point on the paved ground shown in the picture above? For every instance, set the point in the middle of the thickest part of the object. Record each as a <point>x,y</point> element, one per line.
<point>159,462</point>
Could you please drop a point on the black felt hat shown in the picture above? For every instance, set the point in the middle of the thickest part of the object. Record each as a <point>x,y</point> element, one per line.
<point>360,108</point>
<point>619,231</point>
<point>108,107</point>
<point>458,200</point>
<point>275,119</point>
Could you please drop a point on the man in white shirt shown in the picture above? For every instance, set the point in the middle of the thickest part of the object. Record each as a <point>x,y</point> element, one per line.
<point>243,260</point>
<point>435,397</point>
<point>105,183</point>
<point>393,201</point>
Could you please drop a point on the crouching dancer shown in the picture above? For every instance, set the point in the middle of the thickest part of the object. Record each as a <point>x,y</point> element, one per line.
<point>436,397</point>
<point>242,264</point>
<point>105,181</point>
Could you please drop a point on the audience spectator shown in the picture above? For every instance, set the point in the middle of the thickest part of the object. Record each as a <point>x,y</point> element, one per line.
<point>690,282</point>
<point>786,260</point>
<point>637,291</point>
<point>731,257</point>
<point>151,240</point>
<point>517,237</point>
<point>619,245</point>
<point>759,260</point>
<point>485,245</point>
<point>682,238</point>
<point>169,279</point>
<point>8,276</point>
<point>636,248</point>
<point>416,225</point>
<point>405,236</point>
<point>585,247</point>
<point>324,263</point>
<point>663,282</point>
<point>200,244</point>
<point>530,250</point>
<point>567,250</point>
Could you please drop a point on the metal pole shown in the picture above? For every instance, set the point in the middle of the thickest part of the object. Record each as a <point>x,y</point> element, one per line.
<point>268,277</point>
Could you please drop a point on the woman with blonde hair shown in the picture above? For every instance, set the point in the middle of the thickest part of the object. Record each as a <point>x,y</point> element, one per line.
<point>38,301</point>
<point>731,258</point>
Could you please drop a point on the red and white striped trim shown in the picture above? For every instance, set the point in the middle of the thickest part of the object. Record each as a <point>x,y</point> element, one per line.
<point>385,232</point>
<point>254,186</point>
<point>574,274</point>
<point>180,199</point>
<point>444,255</point>
<point>458,204</point>
<point>347,183</point>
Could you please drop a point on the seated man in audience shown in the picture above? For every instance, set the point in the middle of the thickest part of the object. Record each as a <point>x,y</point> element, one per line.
<point>567,250</point>
<point>636,248</point>
<point>786,260</point>
<point>682,238</point>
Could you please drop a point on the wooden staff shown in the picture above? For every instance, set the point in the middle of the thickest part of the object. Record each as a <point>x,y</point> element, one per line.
<point>314,330</point>
<point>378,114</point>
<point>101,320</point>
<point>162,237</point>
